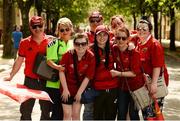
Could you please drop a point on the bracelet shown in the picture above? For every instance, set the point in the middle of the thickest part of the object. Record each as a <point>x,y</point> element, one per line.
<point>121,74</point>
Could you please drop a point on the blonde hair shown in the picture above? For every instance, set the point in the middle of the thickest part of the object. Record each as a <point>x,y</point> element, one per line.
<point>64,21</point>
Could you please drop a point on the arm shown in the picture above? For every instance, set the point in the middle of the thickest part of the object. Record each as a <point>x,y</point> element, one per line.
<point>115,73</point>
<point>16,66</point>
<point>55,66</point>
<point>81,89</point>
<point>66,92</point>
<point>155,76</point>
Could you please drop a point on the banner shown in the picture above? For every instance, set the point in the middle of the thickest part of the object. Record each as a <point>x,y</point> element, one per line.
<point>21,93</point>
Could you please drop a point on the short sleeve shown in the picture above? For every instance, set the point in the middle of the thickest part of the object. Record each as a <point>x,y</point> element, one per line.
<point>52,52</point>
<point>157,55</point>
<point>21,51</point>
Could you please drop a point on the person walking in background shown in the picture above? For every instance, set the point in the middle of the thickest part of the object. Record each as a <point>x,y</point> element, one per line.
<point>105,104</point>
<point>152,57</point>
<point>28,49</point>
<point>79,70</point>
<point>56,48</point>
<point>16,38</point>
<point>128,69</point>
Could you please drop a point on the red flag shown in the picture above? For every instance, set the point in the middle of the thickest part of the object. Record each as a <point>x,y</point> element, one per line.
<point>21,93</point>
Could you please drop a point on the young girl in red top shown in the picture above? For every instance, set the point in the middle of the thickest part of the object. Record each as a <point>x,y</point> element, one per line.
<point>105,104</point>
<point>128,68</point>
<point>79,69</point>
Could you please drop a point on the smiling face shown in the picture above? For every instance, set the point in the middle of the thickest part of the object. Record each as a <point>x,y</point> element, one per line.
<point>64,32</point>
<point>102,38</point>
<point>116,22</point>
<point>81,45</point>
<point>121,38</point>
<point>37,29</point>
<point>143,30</point>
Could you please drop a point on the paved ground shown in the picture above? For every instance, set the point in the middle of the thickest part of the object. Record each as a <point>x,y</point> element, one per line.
<point>9,109</point>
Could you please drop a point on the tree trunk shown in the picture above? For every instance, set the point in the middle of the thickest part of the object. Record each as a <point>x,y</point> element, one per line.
<point>25,22</point>
<point>155,15</point>
<point>160,28</point>
<point>135,21</point>
<point>7,28</point>
<point>25,7</point>
<point>172,30</point>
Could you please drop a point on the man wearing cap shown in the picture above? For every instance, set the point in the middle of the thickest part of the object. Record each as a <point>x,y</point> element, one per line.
<point>95,19</point>
<point>28,49</point>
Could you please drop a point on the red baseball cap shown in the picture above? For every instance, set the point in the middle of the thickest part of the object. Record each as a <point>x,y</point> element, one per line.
<point>36,20</point>
<point>95,14</point>
<point>101,28</point>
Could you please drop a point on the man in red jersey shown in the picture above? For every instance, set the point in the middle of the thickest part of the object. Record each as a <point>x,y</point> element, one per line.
<point>28,49</point>
<point>95,19</point>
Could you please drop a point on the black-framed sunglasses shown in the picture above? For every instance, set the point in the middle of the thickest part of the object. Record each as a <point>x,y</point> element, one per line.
<point>121,38</point>
<point>95,20</point>
<point>80,44</point>
<point>63,30</point>
<point>35,26</point>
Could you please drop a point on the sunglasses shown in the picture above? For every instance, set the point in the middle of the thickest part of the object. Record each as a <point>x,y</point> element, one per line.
<point>95,20</point>
<point>63,30</point>
<point>80,44</point>
<point>121,38</point>
<point>35,26</point>
<point>141,29</point>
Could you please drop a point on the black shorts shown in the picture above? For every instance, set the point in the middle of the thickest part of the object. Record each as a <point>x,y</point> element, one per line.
<point>70,100</point>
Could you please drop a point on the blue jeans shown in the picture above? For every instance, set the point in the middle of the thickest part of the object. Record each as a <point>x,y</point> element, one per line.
<point>88,111</point>
<point>126,102</point>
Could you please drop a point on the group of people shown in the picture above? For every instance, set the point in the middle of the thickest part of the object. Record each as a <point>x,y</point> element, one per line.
<point>110,61</point>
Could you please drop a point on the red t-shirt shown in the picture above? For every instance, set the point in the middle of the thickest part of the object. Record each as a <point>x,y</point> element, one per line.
<point>103,78</point>
<point>28,49</point>
<point>85,68</point>
<point>90,36</point>
<point>152,55</point>
<point>128,61</point>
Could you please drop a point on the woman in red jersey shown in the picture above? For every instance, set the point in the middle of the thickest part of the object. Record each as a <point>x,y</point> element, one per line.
<point>79,69</point>
<point>128,69</point>
<point>152,57</point>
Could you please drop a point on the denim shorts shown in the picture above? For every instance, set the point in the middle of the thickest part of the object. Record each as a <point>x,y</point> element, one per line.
<point>70,100</point>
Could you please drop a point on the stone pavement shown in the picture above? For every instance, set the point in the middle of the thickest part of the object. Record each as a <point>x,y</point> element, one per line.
<point>9,109</point>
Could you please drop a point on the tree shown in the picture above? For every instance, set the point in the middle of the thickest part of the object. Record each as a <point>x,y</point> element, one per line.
<point>7,28</point>
<point>24,6</point>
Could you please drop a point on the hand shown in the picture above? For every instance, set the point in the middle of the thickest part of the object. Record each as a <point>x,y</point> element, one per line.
<point>114,73</point>
<point>131,46</point>
<point>153,88</point>
<point>9,78</point>
<point>65,95</point>
<point>61,67</point>
<point>78,97</point>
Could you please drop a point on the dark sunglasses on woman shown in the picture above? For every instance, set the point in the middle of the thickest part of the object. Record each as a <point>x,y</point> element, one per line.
<point>35,26</point>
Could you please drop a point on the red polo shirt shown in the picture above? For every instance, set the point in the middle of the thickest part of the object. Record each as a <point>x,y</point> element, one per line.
<point>90,36</point>
<point>85,68</point>
<point>28,49</point>
<point>152,55</point>
<point>128,61</point>
<point>103,78</point>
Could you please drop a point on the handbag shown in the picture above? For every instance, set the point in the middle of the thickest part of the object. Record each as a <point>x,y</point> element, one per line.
<point>43,70</point>
<point>141,97</point>
<point>89,95</point>
<point>162,89</point>
<point>158,114</point>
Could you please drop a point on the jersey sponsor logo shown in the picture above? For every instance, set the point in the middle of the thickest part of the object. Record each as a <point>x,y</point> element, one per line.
<point>51,43</point>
